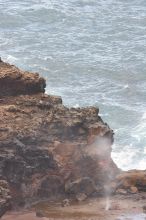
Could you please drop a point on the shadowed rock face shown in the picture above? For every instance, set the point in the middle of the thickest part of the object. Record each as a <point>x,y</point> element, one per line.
<point>46,147</point>
<point>4,197</point>
<point>16,82</point>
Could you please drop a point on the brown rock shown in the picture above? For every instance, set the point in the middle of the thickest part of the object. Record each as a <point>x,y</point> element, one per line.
<point>44,146</point>
<point>81,197</point>
<point>144,208</point>
<point>65,203</point>
<point>40,214</point>
<point>133,189</point>
<point>130,179</point>
<point>13,81</point>
<point>81,186</point>
<point>121,191</point>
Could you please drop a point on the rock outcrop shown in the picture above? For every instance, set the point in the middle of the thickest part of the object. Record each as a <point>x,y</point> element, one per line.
<point>132,181</point>
<point>13,81</point>
<point>46,149</point>
<point>45,146</point>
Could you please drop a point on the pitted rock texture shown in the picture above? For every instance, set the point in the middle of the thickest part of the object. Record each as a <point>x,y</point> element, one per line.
<point>4,197</point>
<point>45,146</point>
<point>132,181</point>
<point>13,81</point>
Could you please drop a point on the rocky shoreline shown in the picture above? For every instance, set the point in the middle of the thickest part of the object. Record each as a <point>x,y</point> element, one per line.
<point>49,151</point>
<point>121,207</point>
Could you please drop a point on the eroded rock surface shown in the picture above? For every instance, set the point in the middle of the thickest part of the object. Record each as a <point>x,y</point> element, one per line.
<point>132,181</point>
<point>46,149</point>
<point>4,197</point>
<point>14,81</point>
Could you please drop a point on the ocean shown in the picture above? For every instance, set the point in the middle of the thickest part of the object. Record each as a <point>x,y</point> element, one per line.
<point>91,52</point>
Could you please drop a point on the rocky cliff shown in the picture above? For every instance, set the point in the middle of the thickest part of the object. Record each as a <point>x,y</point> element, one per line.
<point>46,149</point>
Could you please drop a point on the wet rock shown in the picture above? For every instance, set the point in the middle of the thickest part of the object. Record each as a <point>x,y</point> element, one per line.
<point>121,191</point>
<point>144,208</point>
<point>81,197</point>
<point>115,207</point>
<point>65,203</point>
<point>133,190</point>
<point>143,197</point>
<point>40,214</point>
<point>81,186</point>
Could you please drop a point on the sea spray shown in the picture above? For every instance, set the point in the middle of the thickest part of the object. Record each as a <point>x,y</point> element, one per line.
<point>104,151</point>
<point>107,204</point>
<point>107,197</point>
<point>101,147</point>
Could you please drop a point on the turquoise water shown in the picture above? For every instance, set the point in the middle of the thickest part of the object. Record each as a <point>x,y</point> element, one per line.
<point>91,53</point>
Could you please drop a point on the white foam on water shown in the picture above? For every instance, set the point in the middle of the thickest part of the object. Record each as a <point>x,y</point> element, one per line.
<point>126,86</point>
<point>144,116</point>
<point>141,127</point>
<point>10,59</point>
<point>132,155</point>
<point>126,159</point>
<point>141,216</point>
<point>139,132</point>
<point>126,156</point>
<point>76,106</point>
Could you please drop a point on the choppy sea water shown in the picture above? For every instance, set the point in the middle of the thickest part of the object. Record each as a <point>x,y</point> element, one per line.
<point>92,52</point>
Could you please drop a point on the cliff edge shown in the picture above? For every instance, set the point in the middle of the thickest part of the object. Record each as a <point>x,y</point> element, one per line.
<point>46,149</point>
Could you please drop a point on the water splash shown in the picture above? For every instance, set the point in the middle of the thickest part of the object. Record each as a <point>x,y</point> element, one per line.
<point>107,203</point>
